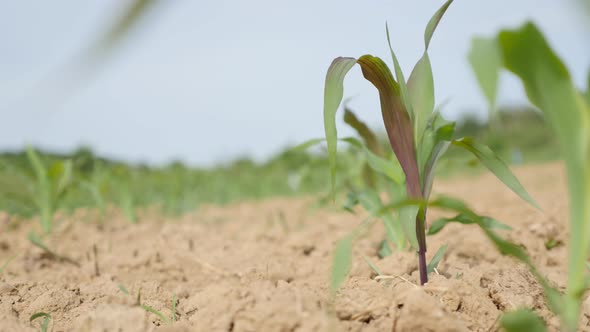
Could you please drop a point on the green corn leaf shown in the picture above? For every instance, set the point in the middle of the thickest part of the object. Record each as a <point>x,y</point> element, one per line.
<point>435,142</point>
<point>490,160</point>
<point>38,169</point>
<point>396,119</point>
<point>401,81</point>
<point>421,82</point>
<point>485,58</point>
<point>548,86</point>
<point>433,23</point>
<point>436,259</point>
<point>65,178</point>
<point>46,319</point>
<point>490,223</point>
<point>333,93</point>
<point>341,263</point>
<point>390,168</point>
<point>421,91</point>
<point>522,320</point>
<point>371,201</point>
<point>369,138</point>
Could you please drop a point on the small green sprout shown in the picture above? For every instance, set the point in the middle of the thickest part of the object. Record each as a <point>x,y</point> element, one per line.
<point>46,319</point>
<point>147,308</point>
<point>436,259</point>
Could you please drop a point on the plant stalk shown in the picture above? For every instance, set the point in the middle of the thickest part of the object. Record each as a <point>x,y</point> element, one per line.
<point>421,237</point>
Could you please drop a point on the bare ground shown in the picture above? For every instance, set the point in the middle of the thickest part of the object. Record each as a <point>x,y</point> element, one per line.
<point>264,266</point>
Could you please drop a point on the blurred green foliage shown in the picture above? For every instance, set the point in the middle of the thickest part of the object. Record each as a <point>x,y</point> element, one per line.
<point>176,188</point>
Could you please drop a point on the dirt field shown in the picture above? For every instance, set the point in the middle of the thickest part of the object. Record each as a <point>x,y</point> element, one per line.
<point>264,266</point>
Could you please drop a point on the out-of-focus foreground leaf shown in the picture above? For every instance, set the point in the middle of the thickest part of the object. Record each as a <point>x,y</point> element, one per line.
<point>522,320</point>
<point>486,61</point>
<point>341,262</point>
<point>549,87</point>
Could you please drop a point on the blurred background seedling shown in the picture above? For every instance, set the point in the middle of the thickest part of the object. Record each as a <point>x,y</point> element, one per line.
<point>166,320</point>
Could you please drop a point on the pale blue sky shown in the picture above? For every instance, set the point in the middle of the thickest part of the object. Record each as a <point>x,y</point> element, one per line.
<point>207,81</point>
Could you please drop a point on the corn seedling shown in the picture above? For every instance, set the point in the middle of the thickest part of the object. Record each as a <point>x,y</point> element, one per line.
<point>418,137</point>
<point>38,242</point>
<point>147,308</point>
<point>50,187</point>
<point>44,323</point>
<point>549,87</point>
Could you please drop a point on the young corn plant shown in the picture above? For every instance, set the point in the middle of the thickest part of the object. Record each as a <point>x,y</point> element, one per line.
<point>548,85</point>
<point>418,137</point>
<point>38,192</point>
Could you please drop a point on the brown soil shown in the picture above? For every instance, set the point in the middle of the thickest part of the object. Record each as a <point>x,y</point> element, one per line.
<point>264,266</point>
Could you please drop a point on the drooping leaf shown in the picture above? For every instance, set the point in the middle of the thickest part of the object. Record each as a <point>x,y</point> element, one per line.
<point>333,92</point>
<point>548,86</point>
<point>492,162</point>
<point>436,259</point>
<point>341,263</point>
<point>396,119</point>
<point>485,58</point>
<point>522,320</point>
<point>433,23</point>
<point>369,138</point>
<point>490,223</point>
